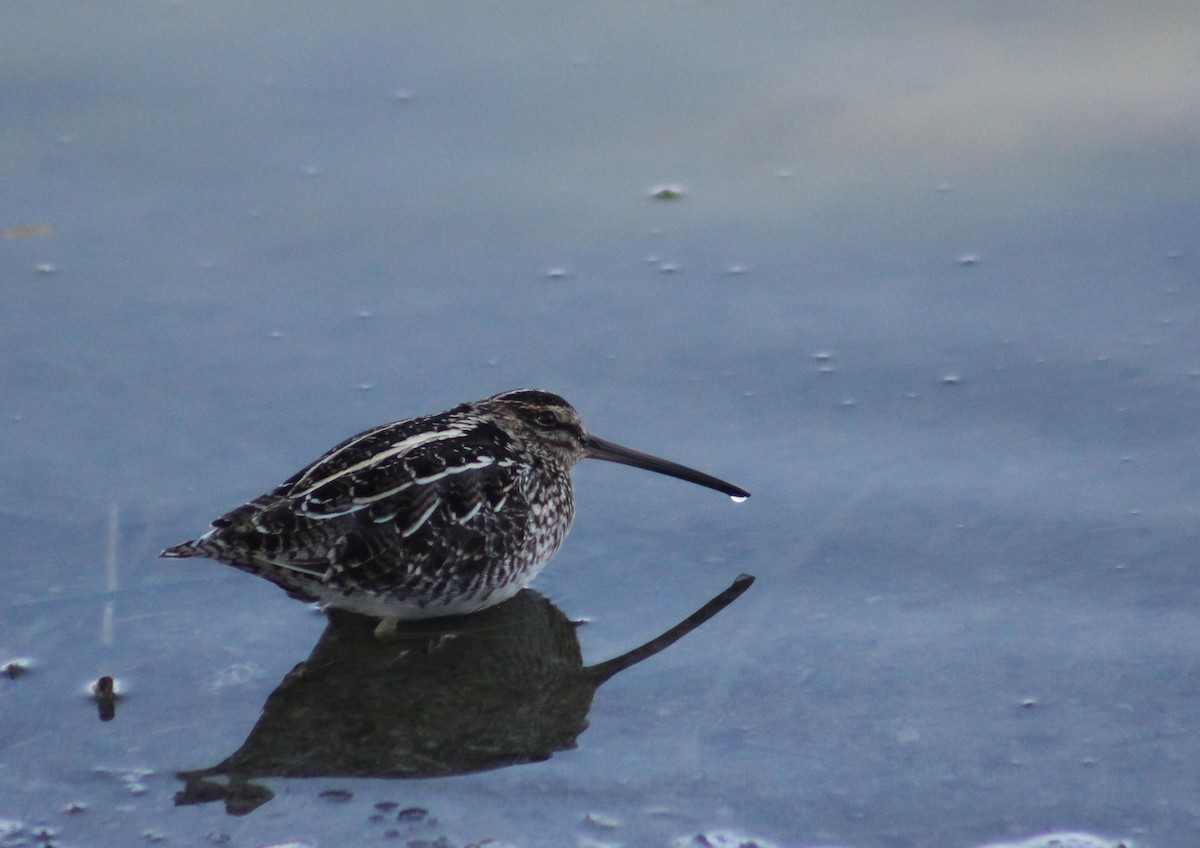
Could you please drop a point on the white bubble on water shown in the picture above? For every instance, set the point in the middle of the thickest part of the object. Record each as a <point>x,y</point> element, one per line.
<point>1064,840</point>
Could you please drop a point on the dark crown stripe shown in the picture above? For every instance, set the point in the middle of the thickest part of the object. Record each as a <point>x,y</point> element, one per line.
<point>531,396</point>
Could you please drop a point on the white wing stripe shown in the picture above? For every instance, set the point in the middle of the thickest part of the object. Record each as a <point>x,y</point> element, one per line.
<point>321,516</point>
<point>481,462</point>
<point>368,434</point>
<point>287,566</point>
<point>378,496</point>
<point>400,447</point>
<point>420,521</point>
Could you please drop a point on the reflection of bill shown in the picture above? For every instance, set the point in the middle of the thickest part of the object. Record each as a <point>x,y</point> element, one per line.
<point>498,688</point>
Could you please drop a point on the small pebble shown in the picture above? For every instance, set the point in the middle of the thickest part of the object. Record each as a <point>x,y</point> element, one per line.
<point>601,820</point>
<point>15,668</point>
<point>666,192</point>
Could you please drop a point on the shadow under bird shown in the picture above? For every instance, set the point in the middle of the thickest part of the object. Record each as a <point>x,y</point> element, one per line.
<point>443,697</point>
<point>439,515</point>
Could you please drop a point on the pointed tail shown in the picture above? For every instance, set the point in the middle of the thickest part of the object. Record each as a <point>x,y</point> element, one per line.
<point>187,549</point>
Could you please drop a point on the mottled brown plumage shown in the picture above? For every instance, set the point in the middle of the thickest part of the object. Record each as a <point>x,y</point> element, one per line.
<point>439,515</point>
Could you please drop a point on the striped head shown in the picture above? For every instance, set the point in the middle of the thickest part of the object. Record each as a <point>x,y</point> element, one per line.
<point>551,429</point>
<point>546,424</point>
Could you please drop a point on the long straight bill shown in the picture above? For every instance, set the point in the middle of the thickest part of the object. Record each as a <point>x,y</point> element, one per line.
<point>601,449</point>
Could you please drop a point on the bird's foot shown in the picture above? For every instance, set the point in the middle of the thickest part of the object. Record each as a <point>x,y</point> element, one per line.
<point>385,630</point>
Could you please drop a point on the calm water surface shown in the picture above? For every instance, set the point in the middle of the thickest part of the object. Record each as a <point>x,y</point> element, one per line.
<point>929,289</point>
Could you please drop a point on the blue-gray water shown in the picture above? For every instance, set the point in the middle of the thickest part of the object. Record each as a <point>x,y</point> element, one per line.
<point>930,291</point>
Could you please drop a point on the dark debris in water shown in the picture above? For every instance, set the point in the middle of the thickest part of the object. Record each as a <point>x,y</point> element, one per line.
<point>13,669</point>
<point>666,192</point>
<point>105,691</point>
<point>440,842</point>
<point>721,839</point>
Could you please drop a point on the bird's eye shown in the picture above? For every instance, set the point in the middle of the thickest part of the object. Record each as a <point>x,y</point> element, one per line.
<point>546,418</point>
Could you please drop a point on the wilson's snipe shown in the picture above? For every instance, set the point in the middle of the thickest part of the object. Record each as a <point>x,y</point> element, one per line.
<point>439,515</point>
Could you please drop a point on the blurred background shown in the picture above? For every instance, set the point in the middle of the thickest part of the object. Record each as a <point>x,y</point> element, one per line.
<point>923,278</point>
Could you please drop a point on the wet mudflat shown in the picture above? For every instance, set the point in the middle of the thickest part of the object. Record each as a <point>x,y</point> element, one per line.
<point>924,281</point>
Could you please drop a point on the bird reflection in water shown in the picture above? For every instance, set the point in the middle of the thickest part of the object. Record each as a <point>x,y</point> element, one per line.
<point>497,688</point>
